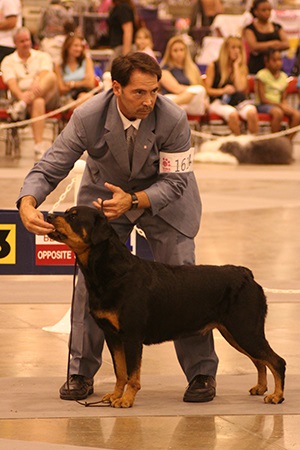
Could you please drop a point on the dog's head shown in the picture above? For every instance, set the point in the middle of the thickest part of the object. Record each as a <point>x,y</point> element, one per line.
<point>80,227</point>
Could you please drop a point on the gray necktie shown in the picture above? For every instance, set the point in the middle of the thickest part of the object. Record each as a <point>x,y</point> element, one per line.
<point>130,133</point>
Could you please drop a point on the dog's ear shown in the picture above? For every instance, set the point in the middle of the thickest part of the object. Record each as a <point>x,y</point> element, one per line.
<point>101,230</point>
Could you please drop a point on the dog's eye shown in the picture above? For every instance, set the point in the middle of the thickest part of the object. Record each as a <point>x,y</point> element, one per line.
<point>73,216</point>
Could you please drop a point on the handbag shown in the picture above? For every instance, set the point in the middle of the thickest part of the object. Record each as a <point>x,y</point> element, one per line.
<point>236,98</point>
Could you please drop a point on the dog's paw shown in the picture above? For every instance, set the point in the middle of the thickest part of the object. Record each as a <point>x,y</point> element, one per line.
<point>110,397</point>
<point>258,389</point>
<point>274,398</point>
<point>122,402</point>
<point>118,401</point>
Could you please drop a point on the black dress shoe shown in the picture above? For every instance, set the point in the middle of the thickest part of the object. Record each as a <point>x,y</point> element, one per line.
<point>80,387</point>
<point>202,388</point>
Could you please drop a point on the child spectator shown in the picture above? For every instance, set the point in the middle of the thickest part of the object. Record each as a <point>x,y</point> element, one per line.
<point>271,95</point>
<point>143,41</point>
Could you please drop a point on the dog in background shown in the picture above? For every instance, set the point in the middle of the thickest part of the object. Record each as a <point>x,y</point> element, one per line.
<point>139,302</point>
<point>246,150</point>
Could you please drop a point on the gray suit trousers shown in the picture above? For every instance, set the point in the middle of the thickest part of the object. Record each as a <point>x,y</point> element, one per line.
<point>196,354</point>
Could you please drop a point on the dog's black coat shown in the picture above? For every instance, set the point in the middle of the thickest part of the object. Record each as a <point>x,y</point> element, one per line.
<point>140,302</point>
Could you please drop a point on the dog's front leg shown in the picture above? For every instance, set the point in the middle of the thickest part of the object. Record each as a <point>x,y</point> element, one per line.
<point>117,352</point>
<point>133,356</point>
<point>133,353</point>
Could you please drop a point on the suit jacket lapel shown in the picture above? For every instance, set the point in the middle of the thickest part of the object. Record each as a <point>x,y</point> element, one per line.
<point>143,144</point>
<point>115,137</point>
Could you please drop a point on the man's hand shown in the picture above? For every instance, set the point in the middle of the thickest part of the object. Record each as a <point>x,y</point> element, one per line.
<point>118,205</point>
<point>33,220</point>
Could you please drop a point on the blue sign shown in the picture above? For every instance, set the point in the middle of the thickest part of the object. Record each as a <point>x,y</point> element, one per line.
<point>23,253</point>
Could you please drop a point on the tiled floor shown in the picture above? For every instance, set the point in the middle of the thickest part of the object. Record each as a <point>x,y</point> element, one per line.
<point>251,217</point>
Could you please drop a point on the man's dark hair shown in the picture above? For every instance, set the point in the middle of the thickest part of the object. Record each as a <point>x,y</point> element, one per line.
<point>123,66</point>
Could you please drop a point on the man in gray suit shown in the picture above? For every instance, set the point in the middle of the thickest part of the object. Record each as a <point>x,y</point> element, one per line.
<point>153,188</point>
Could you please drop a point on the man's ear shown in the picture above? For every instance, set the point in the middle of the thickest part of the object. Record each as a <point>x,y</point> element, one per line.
<point>101,230</point>
<point>116,88</point>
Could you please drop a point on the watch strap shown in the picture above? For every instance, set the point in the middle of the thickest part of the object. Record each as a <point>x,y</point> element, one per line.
<point>134,201</point>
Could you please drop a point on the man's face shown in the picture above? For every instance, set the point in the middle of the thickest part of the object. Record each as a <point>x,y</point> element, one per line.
<point>23,42</point>
<point>137,99</point>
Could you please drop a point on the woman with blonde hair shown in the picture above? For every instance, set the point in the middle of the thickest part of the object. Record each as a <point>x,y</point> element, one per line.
<point>226,84</point>
<point>181,78</point>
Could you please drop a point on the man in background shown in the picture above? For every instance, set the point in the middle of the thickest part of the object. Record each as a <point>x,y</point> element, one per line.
<point>10,20</point>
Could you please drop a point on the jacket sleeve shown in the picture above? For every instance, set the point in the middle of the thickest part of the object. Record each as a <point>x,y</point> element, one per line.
<point>56,163</point>
<point>170,186</point>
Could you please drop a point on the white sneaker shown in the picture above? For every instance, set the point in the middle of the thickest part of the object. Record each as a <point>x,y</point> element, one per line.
<point>17,110</point>
<point>39,149</point>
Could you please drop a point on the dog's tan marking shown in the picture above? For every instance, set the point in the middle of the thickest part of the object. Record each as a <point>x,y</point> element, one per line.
<point>277,396</point>
<point>120,368</point>
<point>75,242</point>
<point>209,327</point>
<point>111,316</point>
<point>261,387</point>
<point>133,386</point>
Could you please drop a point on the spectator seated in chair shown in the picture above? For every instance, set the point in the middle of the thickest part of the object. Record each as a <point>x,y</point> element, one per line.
<point>75,74</point>
<point>271,94</point>
<point>30,78</point>
<point>143,41</point>
<point>181,78</point>
<point>226,84</point>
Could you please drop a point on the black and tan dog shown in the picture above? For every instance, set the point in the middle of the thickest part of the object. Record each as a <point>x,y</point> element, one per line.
<point>139,302</point>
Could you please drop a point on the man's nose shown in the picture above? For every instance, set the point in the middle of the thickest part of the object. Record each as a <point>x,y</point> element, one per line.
<point>148,100</point>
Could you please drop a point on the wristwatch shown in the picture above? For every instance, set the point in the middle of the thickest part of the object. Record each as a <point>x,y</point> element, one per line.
<point>134,201</point>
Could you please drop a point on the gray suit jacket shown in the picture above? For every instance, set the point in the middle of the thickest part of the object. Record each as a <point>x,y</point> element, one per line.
<point>96,126</point>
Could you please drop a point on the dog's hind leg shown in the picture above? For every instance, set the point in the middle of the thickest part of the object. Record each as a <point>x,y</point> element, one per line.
<point>261,387</point>
<point>277,366</point>
<point>261,355</point>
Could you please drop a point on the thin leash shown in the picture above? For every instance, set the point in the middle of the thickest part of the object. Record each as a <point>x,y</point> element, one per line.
<point>99,403</point>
